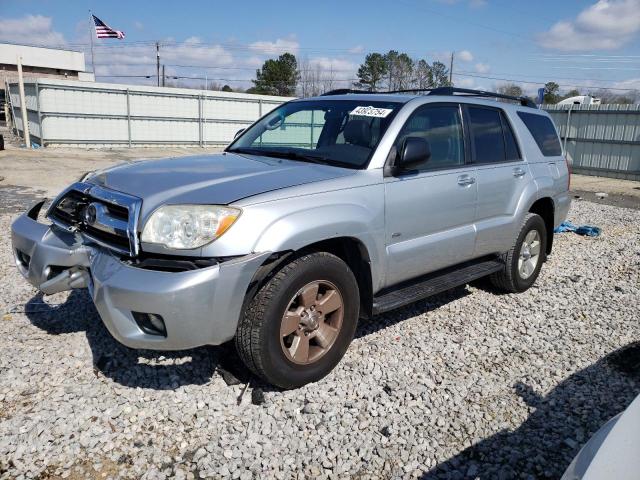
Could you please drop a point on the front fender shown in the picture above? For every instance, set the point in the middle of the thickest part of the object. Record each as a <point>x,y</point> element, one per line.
<point>305,226</point>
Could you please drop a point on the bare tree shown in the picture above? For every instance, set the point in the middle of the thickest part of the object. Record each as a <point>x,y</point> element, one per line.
<point>399,70</point>
<point>510,89</point>
<point>610,97</point>
<point>314,79</point>
<point>329,80</point>
<point>422,75</point>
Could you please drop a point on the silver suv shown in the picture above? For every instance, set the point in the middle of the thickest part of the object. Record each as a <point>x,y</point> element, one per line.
<point>324,211</point>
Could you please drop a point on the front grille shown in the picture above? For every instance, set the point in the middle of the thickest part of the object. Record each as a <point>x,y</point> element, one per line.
<point>107,217</point>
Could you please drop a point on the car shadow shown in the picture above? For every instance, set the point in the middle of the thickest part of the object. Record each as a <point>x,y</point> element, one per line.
<point>162,370</point>
<point>560,423</point>
<point>388,319</point>
<point>165,370</point>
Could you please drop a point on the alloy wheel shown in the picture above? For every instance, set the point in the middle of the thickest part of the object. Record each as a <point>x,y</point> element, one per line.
<point>529,254</point>
<point>312,321</point>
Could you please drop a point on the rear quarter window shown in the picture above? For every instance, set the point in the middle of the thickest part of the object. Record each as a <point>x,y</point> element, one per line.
<point>543,132</point>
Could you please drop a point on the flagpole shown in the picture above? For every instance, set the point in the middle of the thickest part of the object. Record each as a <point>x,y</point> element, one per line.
<point>91,30</point>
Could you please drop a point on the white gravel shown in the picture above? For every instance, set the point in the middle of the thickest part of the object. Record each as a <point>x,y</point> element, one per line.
<point>469,384</point>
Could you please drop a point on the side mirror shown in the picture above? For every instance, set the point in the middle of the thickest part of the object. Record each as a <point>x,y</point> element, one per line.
<point>239,132</point>
<point>414,152</point>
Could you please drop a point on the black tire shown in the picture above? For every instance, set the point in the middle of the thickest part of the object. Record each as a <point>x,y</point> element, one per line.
<point>258,338</point>
<point>510,279</point>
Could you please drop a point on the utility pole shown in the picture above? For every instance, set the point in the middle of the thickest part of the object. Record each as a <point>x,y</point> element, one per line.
<point>451,70</point>
<point>23,106</point>
<point>164,78</point>
<point>158,61</point>
<point>92,32</point>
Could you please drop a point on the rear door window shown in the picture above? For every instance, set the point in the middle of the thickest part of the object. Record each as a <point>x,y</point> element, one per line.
<point>510,144</point>
<point>543,132</point>
<point>486,135</point>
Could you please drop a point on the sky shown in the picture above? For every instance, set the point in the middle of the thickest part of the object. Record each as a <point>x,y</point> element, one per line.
<point>578,44</point>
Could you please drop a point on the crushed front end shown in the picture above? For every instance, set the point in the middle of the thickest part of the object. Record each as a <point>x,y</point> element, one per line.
<point>166,303</point>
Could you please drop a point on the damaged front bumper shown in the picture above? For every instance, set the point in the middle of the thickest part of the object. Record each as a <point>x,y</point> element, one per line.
<point>196,307</point>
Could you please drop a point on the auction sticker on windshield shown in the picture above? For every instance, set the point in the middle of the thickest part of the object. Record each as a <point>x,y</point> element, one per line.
<point>371,112</point>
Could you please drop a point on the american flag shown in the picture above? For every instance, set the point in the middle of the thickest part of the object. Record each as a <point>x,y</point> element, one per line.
<point>105,31</point>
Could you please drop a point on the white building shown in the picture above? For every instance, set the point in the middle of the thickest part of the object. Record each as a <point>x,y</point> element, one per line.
<point>41,63</point>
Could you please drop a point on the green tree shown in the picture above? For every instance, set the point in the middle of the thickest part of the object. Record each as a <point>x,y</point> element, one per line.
<point>277,77</point>
<point>227,88</point>
<point>440,74</point>
<point>551,92</point>
<point>371,72</point>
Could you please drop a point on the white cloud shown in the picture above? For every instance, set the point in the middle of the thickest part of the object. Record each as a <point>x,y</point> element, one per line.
<point>471,3</point>
<point>280,46</point>
<point>629,84</point>
<point>464,56</point>
<point>482,67</point>
<point>605,25</point>
<point>465,83</point>
<point>459,56</point>
<point>343,67</point>
<point>254,61</point>
<point>30,30</point>
<point>194,51</point>
<point>140,60</point>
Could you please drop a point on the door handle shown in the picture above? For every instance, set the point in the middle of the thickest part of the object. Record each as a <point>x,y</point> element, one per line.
<point>519,172</point>
<point>466,180</point>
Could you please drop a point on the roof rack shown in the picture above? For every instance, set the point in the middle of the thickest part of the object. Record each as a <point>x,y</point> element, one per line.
<point>342,91</point>
<point>524,101</point>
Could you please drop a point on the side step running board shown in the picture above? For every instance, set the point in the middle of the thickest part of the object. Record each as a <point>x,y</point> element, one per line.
<point>433,284</point>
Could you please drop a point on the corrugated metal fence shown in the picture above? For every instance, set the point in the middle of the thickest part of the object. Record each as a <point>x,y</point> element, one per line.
<point>600,139</point>
<point>65,113</point>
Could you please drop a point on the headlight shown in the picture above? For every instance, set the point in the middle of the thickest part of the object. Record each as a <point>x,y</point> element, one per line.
<point>188,226</point>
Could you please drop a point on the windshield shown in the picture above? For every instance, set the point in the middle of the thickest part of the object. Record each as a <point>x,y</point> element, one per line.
<point>344,133</point>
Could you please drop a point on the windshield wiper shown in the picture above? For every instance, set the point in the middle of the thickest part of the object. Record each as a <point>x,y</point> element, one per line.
<point>293,155</point>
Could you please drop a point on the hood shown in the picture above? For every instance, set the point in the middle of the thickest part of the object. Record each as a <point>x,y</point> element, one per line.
<point>209,179</point>
<point>615,453</point>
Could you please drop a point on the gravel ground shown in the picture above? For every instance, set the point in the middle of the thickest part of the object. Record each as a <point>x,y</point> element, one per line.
<point>469,384</point>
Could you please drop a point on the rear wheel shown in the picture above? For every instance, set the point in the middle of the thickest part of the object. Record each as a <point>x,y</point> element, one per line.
<point>300,322</point>
<point>524,260</point>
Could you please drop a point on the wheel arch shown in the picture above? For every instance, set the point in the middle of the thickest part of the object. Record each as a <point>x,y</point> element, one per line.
<point>350,250</point>
<point>545,207</point>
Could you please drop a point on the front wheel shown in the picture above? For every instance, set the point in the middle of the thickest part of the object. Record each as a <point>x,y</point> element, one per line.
<point>299,324</point>
<point>524,261</point>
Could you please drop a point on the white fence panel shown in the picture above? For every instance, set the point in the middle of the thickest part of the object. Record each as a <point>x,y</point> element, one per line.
<point>63,113</point>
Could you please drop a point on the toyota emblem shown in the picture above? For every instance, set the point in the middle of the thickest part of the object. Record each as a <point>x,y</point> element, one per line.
<point>90,214</point>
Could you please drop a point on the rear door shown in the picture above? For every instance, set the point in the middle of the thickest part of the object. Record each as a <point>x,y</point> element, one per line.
<point>429,213</point>
<point>502,176</point>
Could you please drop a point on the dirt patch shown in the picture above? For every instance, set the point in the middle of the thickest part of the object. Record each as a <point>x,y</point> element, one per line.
<point>100,468</point>
<point>14,199</point>
<point>614,199</point>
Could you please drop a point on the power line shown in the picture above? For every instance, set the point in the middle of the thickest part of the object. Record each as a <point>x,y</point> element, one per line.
<point>520,81</point>
<point>554,77</point>
<point>207,67</point>
<point>463,20</point>
<point>538,82</point>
